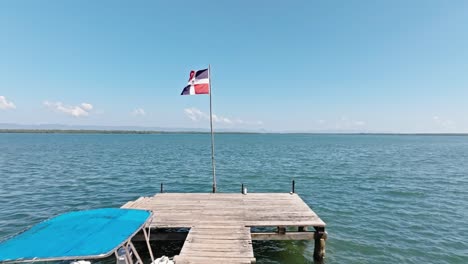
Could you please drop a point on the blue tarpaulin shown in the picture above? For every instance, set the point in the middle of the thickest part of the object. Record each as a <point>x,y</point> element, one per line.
<point>90,233</point>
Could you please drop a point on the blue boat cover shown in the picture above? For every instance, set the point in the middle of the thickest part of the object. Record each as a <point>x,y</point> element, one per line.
<point>82,234</point>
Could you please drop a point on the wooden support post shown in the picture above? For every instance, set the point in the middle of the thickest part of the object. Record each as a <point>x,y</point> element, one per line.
<point>319,247</point>
<point>302,229</point>
<point>293,186</point>
<point>242,188</point>
<point>281,230</point>
<point>162,189</point>
<point>287,236</point>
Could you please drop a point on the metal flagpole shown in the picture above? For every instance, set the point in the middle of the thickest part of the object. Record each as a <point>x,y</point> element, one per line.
<point>212,137</point>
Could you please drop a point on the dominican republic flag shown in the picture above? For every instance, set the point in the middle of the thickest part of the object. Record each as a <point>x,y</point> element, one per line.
<point>199,83</point>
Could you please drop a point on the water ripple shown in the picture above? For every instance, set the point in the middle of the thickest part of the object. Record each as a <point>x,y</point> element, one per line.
<point>386,199</point>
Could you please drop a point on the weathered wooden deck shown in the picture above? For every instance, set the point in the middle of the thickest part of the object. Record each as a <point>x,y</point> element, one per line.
<point>220,224</point>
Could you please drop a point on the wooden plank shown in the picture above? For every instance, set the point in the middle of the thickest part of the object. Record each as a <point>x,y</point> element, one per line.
<point>215,241</point>
<point>212,254</point>
<point>128,204</point>
<point>220,223</point>
<point>284,223</point>
<point>138,200</point>
<point>227,252</point>
<point>236,237</point>
<point>285,236</point>
<point>218,232</point>
<point>223,244</point>
<point>162,236</point>
<point>232,227</point>
<point>204,260</point>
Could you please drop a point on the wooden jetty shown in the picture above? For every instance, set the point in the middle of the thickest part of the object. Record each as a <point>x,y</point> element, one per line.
<point>220,224</point>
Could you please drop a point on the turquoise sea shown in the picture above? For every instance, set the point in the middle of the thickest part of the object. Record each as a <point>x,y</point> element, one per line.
<point>385,198</point>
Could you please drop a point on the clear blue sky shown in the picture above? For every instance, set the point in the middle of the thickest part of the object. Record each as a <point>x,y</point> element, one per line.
<point>392,66</point>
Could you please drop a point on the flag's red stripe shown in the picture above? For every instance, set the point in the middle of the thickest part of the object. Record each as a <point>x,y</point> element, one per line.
<point>202,88</point>
<point>192,73</point>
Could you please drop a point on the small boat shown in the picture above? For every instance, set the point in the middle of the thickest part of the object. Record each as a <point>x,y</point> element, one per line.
<point>82,237</point>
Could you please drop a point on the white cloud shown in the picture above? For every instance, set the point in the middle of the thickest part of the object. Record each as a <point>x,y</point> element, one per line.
<point>344,123</point>
<point>75,111</point>
<point>87,107</point>
<point>360,123</point>
<point>444,123</point>
<point>4,104</point>
<point>220,119</point>
<point>196,115</point>
<point>139,112</point>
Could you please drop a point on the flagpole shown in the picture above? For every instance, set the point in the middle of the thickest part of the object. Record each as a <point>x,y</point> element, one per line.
<point>212,136</point>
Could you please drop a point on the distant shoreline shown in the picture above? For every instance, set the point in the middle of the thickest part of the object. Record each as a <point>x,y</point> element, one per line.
<point>91,131</point>
<point>149,132</point>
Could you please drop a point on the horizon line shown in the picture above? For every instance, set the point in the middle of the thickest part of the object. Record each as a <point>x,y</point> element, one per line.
<point>114,131</point>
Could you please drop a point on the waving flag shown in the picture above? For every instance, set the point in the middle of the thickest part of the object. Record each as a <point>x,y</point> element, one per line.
<point>199,83</point>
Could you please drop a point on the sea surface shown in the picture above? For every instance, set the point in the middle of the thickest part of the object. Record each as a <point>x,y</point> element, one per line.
<point>385,198</point>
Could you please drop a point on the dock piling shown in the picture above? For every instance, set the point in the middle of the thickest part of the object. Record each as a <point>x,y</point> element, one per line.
<point>319,247</point>
<point>281,230</point>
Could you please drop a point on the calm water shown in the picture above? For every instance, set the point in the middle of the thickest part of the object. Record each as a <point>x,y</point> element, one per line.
<point>385,199</point>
